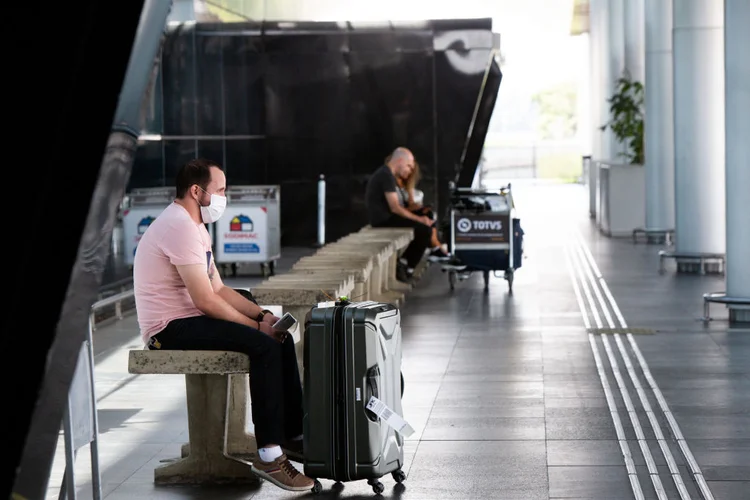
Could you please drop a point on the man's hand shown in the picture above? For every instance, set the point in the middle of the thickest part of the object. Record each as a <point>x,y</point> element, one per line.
<point>272,332</point>
<point>269,318</point>
<point>426,221</point>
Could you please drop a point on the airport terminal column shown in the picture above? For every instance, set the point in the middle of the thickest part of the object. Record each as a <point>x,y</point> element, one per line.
<point>659,124</point>
<point>36,461</point>
<point>698,49</point>
<point>635,39</point>
<point>600,85</point>
<point>737,77</point>
<point>616,55</point>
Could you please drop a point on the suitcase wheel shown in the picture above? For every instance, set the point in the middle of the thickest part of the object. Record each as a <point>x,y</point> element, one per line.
<point>317,487</point>
<point>399,476</point>
<point>377,486</point>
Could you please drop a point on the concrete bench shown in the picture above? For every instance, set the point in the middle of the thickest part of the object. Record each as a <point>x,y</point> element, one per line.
<point>389,261</point>
<point>360,265</point>
<point>220,450</point>
<point>402,236</point>
<point>381,253</point>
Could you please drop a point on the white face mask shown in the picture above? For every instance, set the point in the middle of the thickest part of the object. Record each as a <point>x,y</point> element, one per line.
<point>215,209</point>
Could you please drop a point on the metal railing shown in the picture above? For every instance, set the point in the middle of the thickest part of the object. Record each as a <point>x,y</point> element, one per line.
<point>116,300</point>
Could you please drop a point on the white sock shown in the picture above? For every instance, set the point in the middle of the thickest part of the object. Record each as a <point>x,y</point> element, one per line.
<point>298,438</point>
<point>402,260</point>
<point>409,270</point>
<point>269,454</point>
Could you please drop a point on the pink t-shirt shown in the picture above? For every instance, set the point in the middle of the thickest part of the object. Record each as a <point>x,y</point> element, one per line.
<point>172,239</point>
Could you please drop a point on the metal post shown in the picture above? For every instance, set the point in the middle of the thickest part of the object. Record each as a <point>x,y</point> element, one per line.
<point>69,481</point>
<point>96,479</point>
<point>321,211</point>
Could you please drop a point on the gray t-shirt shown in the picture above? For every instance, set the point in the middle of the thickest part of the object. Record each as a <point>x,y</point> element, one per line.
<point>381,181</point>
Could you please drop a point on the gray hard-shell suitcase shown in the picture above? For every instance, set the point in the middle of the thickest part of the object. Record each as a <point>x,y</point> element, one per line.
<point>352,352</point>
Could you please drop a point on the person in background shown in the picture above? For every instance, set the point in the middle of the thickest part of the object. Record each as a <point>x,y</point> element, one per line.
<point>181,303</point>
<point>407,187</point>
<point>384,209</point>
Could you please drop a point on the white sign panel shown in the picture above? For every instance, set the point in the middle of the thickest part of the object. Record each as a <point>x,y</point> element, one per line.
<point>241,234</point>
<point>135,221</point>
<point>81,404</point>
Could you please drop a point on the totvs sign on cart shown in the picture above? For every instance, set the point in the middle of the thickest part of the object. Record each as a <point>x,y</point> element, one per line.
<point>481,228</point>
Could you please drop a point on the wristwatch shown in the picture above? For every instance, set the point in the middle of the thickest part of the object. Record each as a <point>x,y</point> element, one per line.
<point>262,314</point>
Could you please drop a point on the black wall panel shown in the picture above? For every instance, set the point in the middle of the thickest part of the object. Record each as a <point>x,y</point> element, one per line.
<point>283,103</point>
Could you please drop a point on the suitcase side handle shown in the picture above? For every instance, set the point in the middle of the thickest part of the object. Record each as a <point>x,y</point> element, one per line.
<point>371,389</point>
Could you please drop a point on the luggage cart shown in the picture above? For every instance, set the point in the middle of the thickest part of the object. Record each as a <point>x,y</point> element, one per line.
<point>485,235</point>
<point>250,229</point>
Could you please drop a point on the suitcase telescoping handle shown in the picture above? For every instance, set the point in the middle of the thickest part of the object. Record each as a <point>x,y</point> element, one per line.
<point>373,374</point>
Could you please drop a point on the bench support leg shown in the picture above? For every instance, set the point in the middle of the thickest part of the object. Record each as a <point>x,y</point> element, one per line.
<point>239,442</point>
<point>207,418</point>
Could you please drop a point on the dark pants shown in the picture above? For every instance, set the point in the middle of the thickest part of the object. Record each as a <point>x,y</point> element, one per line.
<point>275,386</point>
<point>422,236</point>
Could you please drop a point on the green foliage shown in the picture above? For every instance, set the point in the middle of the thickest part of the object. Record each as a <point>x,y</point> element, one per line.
<point>626,109</point>
<point>557,111</point>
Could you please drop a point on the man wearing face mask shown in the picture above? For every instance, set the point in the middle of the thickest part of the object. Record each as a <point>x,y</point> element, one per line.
<point>182,303</point>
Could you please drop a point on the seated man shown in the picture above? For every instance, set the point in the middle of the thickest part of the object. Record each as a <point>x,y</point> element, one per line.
<point>182,303</point>
<point>384,209</point>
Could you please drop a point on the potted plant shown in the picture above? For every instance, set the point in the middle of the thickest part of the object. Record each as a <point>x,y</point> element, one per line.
<point>626,108</point>
<point>621,188</point>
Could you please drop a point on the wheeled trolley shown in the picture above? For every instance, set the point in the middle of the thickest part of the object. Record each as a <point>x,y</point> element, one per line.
<point>250,229</point>
<point>485,235</point>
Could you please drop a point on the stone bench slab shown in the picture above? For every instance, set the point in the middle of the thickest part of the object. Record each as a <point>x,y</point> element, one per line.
<point>188,362</point>
<point>359,272</point>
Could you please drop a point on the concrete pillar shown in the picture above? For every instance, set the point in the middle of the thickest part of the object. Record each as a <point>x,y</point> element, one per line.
<point>659,112</point>
<point>616,67</point>
<point>698,48</point>
<point>600,78</point>
<point>635,38</point>
<point>596,98</point>
<point>737,78</point>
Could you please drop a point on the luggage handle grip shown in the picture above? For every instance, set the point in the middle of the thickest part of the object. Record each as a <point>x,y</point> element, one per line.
<point>371,389</point>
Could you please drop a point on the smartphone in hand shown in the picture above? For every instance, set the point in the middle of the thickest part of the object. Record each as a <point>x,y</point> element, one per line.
<point>285,323</point>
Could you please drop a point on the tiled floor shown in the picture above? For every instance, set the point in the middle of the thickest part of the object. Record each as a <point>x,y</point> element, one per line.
<point>510,396</point>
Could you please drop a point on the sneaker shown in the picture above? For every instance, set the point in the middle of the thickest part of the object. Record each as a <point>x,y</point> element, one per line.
<point>402,274</point>
<point>454,265</point>
<point>438,255</point>
<point>282,473</point>
<point>294,450</point>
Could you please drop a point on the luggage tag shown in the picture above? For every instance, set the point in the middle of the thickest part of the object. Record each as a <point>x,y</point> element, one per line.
<point>388,416</point>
